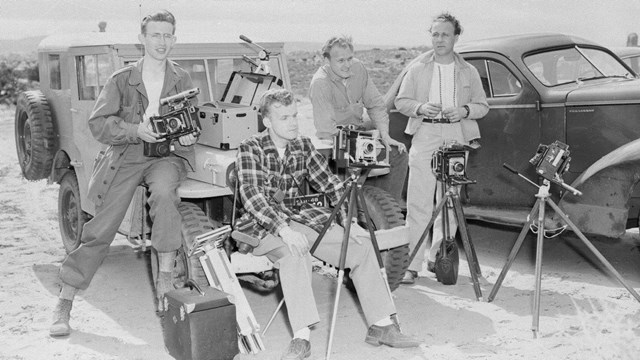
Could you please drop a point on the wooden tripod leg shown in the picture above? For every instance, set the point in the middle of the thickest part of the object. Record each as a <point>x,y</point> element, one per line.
<point>469,251</point>
<point>343,256</point>
<point>535,322</point>
<point>436,211</point>
<point>593,249</point>
<point>514,252</point>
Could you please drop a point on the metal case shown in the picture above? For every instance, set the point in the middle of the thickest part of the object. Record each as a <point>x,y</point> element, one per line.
<point>200,324</point>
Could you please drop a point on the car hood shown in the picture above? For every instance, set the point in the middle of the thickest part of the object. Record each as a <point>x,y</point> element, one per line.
<point>595,92</point>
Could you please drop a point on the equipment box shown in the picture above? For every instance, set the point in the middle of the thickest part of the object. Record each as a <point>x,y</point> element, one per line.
<point>235,117</point>
<point>200,324</point>
<point>226,126</point>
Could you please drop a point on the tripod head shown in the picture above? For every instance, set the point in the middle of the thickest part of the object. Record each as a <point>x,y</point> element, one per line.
<point>546,182</point>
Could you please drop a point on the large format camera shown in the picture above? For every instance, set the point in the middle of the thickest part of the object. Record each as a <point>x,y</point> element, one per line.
<point>551,161</point>
<point>182,119</point>
<point>359,148</point>
<point>449,163</point>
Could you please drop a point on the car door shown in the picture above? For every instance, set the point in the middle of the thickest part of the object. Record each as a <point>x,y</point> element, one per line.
<point>510,134</point>
<point>92,68</point>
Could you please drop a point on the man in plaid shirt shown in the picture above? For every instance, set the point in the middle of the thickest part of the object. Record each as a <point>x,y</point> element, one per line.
<point>273,166</point>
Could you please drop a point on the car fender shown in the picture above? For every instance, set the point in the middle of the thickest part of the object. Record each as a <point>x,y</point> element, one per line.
<point>606,186</point>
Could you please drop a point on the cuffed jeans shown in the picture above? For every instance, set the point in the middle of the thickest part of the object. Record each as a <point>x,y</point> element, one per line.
<point>162,176</point>
<point>295,275</point>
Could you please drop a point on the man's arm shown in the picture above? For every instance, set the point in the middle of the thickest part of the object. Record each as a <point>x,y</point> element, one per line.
<point>406,101</point>
<point>377,110</point>
<point>321,97</point>
<point>251,177</point>
<point>105,124</point>
<point>478,107</point>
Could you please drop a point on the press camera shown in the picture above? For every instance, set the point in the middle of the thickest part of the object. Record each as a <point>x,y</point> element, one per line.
<point>182,119</point>
<point>449,163</point>
<point>551,161</point>
<point>359,148</point>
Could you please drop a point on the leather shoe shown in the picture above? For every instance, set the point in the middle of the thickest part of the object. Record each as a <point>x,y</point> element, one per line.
<point>431,266</point>
<point>298,349</point>
<point>61,316</point>
<point>409,277</point>
<point>389,335</point>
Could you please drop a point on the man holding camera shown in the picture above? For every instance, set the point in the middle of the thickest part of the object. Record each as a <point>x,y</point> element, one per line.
<point>340,91</point>
<point>120,119</point>
<point>437,93</point>
<point>272,166</point>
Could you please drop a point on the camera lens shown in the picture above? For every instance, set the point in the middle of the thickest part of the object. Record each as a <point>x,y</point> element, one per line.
<point>457,167</point>
<point>173,123</point>
<point>369,148</point>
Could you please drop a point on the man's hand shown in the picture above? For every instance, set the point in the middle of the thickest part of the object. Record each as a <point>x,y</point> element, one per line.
<point>145,132</point>
<point>296,241</point>
<point>186,140</point>
<point>429,110</point>
<point>391,142</point>
<point>454,114</point>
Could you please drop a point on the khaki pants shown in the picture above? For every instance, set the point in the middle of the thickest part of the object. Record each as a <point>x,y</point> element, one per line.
<point>295,275</point>
<point>163,176</point>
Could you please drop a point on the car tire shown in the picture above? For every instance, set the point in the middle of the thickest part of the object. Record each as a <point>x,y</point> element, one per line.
<point>385,213</point>
<point>71,217</point>
<point>194,222</point>
<point>35,136</point>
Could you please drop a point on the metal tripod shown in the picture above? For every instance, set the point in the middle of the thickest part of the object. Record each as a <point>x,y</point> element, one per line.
<point>354,192</point>
<point>452,194</point>
<point>539,209</point>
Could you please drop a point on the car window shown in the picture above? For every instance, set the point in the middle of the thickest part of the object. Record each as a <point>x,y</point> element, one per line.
<point>503,81</point>
<point>573,64</point>
<point>92,73</point>
<point>198,72</point>
<point>497,80</point>
<point>481,66</point>
<point>55,82</point>
<point>634,63</point>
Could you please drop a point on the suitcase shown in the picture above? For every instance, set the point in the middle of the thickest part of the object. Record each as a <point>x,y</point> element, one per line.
<point>200,324</point>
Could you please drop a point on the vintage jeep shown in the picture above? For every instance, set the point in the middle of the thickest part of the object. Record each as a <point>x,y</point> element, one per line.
<point>53,140</point>
<point>543,88</point>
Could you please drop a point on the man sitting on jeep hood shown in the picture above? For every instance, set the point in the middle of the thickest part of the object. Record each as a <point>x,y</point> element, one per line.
<point>120,119</point>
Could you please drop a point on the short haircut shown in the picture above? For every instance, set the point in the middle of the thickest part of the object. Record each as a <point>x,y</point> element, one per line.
<point>446,17</point>
<point>160,16</point>
<point>341,41</point>
<point>275,96</point>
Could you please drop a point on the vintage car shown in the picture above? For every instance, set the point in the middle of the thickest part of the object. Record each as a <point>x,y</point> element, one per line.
<point>54,142</point>
<point>542,88</point>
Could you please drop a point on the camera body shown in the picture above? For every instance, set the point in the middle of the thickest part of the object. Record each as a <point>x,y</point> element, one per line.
<point>182,119</point>
<point>551,161</point>
<point>449,163</point>
<point>359,148</point>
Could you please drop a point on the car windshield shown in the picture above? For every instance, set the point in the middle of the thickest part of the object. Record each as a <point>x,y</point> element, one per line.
<point>574,64</point>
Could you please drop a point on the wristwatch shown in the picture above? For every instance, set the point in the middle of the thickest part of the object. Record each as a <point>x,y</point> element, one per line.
<point>466,107</point>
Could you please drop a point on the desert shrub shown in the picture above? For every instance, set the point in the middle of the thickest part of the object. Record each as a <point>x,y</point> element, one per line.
<point>18,73</point>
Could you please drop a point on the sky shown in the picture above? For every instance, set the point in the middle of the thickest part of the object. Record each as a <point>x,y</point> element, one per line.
<point>373,22</point>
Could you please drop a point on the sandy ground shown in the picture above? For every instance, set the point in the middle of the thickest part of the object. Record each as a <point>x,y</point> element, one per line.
<point>585,312</point>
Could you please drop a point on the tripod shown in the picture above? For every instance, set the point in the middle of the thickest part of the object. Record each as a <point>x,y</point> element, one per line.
<point>451,193</point>
<point>539,209</point>
<point>354,192</point>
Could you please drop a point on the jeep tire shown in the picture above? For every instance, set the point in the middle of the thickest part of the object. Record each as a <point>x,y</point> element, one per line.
<point>385,213</point>
<point>194,223</point>
<point>35,137</point>
<point>71,217</point>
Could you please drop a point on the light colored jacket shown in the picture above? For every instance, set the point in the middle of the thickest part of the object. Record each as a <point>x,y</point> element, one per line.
<point>415,86</point>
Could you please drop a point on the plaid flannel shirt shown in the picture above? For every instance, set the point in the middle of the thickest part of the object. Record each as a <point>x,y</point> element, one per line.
<point>261,173</point>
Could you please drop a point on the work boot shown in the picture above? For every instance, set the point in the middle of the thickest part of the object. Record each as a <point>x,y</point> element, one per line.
<point>409,277</point>
<point>61,316</point>
<point>298,349</point>
<point>389,335</point>
<point>431,266</point>
<point>164,284</point>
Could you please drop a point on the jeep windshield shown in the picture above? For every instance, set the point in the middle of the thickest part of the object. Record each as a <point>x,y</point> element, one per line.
<point>574,65</point>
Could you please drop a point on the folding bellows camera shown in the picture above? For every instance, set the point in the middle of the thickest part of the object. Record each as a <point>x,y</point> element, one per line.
<point>551,161</point>
<point>358,148</point>
<point>181,119</point>
<point>449,163</point>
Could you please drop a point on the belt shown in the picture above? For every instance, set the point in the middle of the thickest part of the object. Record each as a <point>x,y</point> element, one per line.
<point>436,121</point>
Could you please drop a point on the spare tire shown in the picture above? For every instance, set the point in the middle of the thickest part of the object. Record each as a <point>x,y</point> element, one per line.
<point>35,136</point>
